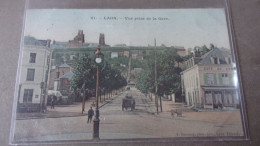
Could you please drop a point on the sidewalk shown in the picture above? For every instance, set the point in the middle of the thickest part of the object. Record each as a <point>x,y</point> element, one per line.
<point>72,110</point>
<point>224,116</point>
<point>167,107</point>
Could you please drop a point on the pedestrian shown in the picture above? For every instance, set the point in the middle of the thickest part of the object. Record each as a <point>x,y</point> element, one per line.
<point>52,102</point>
<point>90,114</point>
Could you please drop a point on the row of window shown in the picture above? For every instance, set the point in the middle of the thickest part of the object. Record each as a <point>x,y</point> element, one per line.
<point>227,98</point>
<point>28,96</point>
<point>30,71</point>
<point>216,60</point>
<point>224,79</point>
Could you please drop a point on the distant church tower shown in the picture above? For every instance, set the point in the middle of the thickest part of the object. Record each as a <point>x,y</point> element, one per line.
<point>80,37</point>
<point>78,40</point>
<point>102,39</point>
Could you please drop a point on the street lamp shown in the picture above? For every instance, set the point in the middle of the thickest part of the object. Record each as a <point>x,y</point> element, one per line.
<point>98,60</point>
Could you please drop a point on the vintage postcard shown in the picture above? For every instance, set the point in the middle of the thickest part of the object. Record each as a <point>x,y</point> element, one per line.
<point>127,74</point>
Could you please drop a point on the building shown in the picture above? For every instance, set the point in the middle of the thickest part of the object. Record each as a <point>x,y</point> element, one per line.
<point>120,53</point>
<point>208,81</point>
<point>134,55</point>
<point>126,53</point>
<point>114,55</point>
<point>34,74</point>
<point>102,39</point>
<point>62,83</point>
<point>181,51</point>
<point>120,45</point>
<point>58,45</point>
<point>78,40</point>
<point>56,74</point>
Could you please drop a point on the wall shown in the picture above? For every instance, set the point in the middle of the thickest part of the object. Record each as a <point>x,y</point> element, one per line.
<point>40,67</point>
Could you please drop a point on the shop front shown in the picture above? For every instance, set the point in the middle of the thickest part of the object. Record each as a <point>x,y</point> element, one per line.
<point>220,97</point>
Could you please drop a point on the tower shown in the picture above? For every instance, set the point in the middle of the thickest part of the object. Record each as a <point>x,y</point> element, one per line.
<point>102,39</point>
<point>80,37</point>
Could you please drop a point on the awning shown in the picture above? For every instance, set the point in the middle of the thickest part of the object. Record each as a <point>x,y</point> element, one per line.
<point>219,88</point>
<point>55,93</point>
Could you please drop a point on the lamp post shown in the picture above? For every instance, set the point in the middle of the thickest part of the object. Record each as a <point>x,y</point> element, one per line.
<point>98,60</point>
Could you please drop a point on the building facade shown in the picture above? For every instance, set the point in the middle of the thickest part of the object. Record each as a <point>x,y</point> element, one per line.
<point>64,82</point>
<point>56,73</point>
<point>208,81</point>
<point>102,39</point>
<point>34,74</point>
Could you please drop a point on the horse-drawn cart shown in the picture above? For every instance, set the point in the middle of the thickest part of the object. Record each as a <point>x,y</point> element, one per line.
<point>128,102</point>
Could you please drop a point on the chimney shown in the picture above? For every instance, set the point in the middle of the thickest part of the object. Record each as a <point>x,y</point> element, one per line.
<point>48,43</point>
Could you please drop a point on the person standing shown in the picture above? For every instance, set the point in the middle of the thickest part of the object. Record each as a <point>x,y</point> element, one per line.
<point>90,115</point>
<point>52,102</point>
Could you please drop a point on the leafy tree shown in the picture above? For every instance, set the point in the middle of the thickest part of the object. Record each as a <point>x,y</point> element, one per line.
<point>145,83</point>
<point>85,74</point>
<point>83,77</point>
<point>211,47</point>
<point>204,49</point>
<point>179,59</point>
<point>168,75</point>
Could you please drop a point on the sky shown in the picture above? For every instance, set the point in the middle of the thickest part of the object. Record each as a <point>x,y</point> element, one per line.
<point>178,27</point>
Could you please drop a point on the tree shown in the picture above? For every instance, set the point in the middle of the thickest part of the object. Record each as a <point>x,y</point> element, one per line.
<point>204,49</point>
<point>168,75</point>
<point>84,78</point>
<point>179,59</point>
<point>145,83</point>
<point>212,47</point>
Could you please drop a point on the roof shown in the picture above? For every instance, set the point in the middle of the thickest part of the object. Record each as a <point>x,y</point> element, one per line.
<point>64,65</point>
<point>120,45</point>
<point>68,75</point>
<point>28,40</point>
<point>90,44</point>
<point>206,58</point>
<point>57,44</point>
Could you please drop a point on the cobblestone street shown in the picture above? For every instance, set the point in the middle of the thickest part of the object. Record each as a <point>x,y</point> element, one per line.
<point>143,122</point>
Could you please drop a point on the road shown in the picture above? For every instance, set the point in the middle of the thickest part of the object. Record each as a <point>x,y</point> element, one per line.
<point>118,124</point>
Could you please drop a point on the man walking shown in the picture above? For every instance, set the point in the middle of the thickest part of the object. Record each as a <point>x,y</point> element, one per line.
<point>52,102</point>
<point>90,114</point>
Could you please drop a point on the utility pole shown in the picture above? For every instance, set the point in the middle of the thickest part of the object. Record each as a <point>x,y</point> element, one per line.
<point>155,77</point>
<point>129,67</point>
